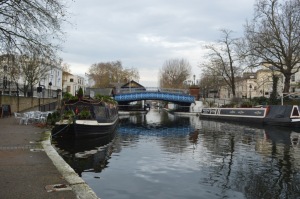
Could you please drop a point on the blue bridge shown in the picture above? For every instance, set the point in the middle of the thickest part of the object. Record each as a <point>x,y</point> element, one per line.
<point>177,96</point>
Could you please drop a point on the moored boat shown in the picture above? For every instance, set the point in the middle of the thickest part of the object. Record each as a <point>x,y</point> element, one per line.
<point>87,118</point>
<point>281,115</point>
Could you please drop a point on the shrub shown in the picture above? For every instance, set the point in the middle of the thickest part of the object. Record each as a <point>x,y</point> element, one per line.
<point>84,114</point>
<point>53,118</point>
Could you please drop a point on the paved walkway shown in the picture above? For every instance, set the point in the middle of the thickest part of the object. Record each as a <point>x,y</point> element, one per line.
<point>31,168</point>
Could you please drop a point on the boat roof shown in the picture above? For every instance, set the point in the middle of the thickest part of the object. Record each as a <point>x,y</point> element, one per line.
<point>85,101</point>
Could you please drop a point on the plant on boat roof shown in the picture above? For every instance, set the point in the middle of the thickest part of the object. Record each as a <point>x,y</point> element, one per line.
<point>69,114</point>
<point>105,98</point>
<point>84,114</point>
<point>67,96</point>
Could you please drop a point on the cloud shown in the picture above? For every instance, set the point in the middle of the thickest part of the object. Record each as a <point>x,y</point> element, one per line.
<point>144,34</point>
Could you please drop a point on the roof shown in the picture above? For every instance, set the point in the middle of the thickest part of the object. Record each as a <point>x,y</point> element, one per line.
<point>101,91</point>
<point>132,84</point>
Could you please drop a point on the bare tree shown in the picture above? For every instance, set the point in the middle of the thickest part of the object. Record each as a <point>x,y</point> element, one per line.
<point>8,68</point>
<point>210,82</point>
<point>33,24</point>
<point>32,68</point>
<point>174,72</point>
<point>273,36</point>
<point>65,67</point>
<point>223,60</point>
<point>106,73</point>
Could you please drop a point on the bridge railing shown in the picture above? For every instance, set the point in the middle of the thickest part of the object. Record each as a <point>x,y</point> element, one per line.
<point>152,89</point>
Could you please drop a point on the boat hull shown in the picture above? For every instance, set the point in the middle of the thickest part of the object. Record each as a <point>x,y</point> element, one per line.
<point>91,128</point>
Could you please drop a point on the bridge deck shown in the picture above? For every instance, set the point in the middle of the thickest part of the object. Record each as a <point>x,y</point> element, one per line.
<point>152,95</point>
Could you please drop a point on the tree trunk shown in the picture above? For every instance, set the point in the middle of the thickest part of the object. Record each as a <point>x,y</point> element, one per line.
<point>287,83</point>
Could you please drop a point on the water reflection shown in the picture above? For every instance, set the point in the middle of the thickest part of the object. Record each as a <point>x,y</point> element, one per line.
<point>89,154</point>
<point>161,156</point>
<point>259,162</point>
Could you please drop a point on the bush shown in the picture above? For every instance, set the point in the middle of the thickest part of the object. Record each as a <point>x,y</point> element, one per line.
<point>67,96</point>
<point>246,104</point>
<point>80,93</point>
<point>69,114</point>
<point>53,118</point>
<point>84,114</point>
<point>260,100</point>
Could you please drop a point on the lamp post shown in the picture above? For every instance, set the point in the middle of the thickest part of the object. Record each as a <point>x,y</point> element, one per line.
<point>194,78</point>
<point>49,94</point>
<point>5,68</point>
<point>58,97</point>
<point>250,87</point>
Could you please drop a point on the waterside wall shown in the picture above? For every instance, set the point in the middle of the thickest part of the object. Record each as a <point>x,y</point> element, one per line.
<point>24,103</point>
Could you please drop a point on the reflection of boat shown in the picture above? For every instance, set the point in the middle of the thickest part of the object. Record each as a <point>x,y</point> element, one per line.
<point>295,139</point>
<point>287,115</point>
<point>87,117</point>
<point>74,145</point>
<point>278,134</point>
<point>87,153</point>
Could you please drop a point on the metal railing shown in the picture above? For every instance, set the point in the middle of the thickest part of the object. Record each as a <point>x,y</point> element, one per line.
<point>48,107</point>
<point>152,89</point>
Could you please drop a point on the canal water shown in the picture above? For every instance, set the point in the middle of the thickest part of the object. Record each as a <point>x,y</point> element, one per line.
<point>162,156</point>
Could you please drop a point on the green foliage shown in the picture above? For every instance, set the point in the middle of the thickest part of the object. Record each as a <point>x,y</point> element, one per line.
<point>80,93</point>
<point>246,104</point>
<point>105,98</point>
<point>260,100</point>
<point>53,118</point>
<point>69,114</point>
<point>231,105</point>
<point>67,96</point>
<point>74,98</point>
<point>84,114</point>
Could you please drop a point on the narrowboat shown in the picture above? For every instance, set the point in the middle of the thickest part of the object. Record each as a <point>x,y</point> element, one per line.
<point>279,115</point>
<point>87,118</point>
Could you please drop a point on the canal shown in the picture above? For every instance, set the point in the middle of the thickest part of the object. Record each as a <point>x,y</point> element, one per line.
<point>162,156</point>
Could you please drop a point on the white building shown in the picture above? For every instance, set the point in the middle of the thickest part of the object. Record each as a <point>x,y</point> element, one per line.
<point>256,84</point>
<point>72,83</point>
<point>51,83</point>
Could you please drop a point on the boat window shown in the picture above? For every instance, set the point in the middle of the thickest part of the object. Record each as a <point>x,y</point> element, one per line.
<point>99,111</point>
<point>295,112</point>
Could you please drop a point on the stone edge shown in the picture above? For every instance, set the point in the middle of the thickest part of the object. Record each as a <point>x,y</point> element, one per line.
<point>78,185</point>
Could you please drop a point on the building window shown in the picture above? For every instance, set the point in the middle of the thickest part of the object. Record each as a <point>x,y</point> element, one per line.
<point>68,89</point>
<point>71,80</point>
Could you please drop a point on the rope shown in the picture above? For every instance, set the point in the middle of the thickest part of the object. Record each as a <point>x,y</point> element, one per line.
<point>60,130</point>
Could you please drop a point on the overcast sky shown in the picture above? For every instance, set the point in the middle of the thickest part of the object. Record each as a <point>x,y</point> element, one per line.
<point>145,33</point>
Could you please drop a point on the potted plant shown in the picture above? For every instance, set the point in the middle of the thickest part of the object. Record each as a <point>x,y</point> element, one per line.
<point>84,114</point>
<point>69,114</point>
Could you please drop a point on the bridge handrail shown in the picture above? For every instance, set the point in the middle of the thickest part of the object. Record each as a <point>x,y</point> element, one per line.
<point>152,89</point>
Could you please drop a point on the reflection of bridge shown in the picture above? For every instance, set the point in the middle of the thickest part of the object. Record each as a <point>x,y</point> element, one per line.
<point>159,132</point>
<point>177,96</point>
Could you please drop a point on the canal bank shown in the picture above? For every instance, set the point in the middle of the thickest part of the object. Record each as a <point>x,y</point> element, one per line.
<point>31,168</point>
